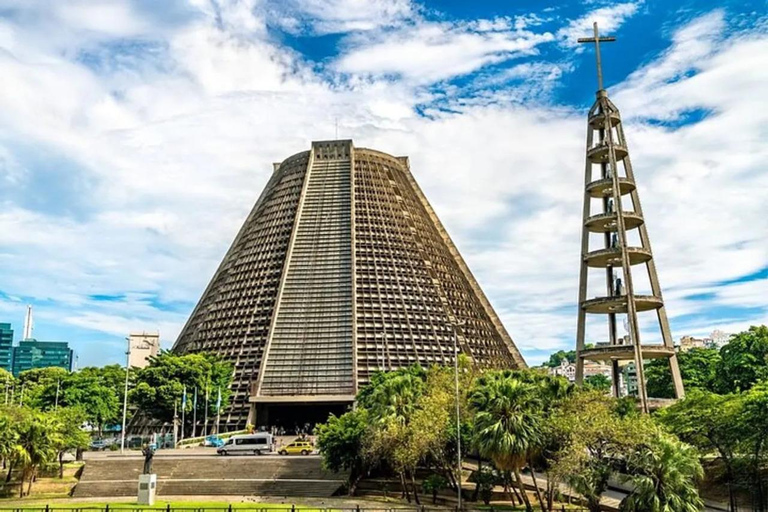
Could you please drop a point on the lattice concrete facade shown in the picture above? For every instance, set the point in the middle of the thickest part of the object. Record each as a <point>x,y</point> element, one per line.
<point>341,269</point>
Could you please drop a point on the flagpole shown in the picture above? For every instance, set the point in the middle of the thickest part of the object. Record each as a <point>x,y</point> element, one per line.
<point>205,423</point>
<point>175,424</point>
<point>194,414</point>
<point>218,411</point>
<point>183,409</point>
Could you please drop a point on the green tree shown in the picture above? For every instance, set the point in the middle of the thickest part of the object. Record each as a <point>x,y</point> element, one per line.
<point>408,423</point>
<point>598,382</point>
<point>340,443</point>
<point>9,438</point>
<point>558,357</point>
<point>752,427</point>
<point>6,380</point>
<point>507,426</point>
<point>698,369</point>
<point>97,399</point>
<point>39,438</point>
<point>744,361</point>
<point>160,385</point>
<point>663,474</point>
<point>594,439</point>
<point>97,391</point>
<point>34,385</point>
<point>709,422</point>
<point>433,484</point>
<point>73,437</point>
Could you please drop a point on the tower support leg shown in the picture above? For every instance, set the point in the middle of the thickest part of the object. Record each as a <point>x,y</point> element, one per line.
<point>677,379</point>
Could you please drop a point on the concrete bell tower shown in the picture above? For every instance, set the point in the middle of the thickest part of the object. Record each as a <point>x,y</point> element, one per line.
<point>613,213</point>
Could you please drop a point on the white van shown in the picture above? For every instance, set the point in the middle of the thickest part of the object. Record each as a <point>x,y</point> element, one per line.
<point>249,444</point>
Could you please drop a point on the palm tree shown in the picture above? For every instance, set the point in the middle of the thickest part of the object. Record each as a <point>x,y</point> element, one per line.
<point>392,402</point>
<point>38,442</point>
<point>506,423</point>
<point>8,443</point>
<point>664,476</point>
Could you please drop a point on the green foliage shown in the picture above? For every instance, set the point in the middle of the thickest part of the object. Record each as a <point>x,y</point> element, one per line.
<point>744,361</point>
<point>663,475</point>
<point>97,392</point>
<point>5,377</point>
<point>159,386</point>
<point>36,384</point>
<point>433,484</point>
<point>558,357</point>
<point>73,437</point>
<point>37,444</point>
<point>340,442</point>
<point>698,368</point>
<point>598,382</point>
<point>732,427</point>
<point>406,420</point>
<point>594,439</point>
<point>736,367</point>
<point>506,424</point>
<point>753,438</point>
<point>486,480</point>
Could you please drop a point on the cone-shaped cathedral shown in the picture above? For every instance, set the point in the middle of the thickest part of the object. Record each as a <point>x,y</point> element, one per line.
<point>341,269</point>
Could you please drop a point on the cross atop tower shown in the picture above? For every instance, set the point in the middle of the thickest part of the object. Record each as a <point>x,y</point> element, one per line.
<point>597,40</point>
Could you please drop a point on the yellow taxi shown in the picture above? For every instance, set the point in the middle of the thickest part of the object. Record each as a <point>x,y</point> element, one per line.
<point>297,447</point>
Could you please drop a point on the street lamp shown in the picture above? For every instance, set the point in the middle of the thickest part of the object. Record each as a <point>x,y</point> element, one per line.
<point>125,394</point>
<point>458,407</point>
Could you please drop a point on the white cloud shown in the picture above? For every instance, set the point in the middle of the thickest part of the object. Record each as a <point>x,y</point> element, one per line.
<point>608,19</point>
<point>335,16</point>
<point>175,146</point>
<point>429,52</point>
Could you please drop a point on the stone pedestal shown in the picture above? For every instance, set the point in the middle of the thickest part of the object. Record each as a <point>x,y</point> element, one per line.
<point>147,489</point>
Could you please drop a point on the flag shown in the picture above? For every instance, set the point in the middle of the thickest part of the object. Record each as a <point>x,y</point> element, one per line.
<point>194,400</point>
<point>218,402</point>
<point>184,399</point>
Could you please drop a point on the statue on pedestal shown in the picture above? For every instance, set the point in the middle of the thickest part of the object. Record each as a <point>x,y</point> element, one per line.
<point>148,453</point>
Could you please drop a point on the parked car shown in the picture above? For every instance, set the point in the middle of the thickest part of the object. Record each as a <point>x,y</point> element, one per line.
<point>101,444</point>
<point>214,441</point>
<point>297,447</point>
<point>250,444</point>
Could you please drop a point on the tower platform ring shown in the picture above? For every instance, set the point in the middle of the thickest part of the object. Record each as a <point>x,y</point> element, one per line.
<point>598,121</point>
<point>604,187</point>
<point>599,153</point>
<point>606,222</point>
<point>618,304</point>
<point>626,352</point>
<point>611,257</point>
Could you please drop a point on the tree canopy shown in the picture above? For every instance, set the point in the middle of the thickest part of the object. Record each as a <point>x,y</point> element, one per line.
<point>159,386</point>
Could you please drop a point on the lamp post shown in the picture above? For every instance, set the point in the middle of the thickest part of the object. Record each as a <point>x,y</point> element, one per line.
<point>125,394</point>
<point>56,403</point>
<point>458,407</point>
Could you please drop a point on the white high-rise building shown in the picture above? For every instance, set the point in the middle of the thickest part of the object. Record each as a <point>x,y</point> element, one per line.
<point>143,345</point>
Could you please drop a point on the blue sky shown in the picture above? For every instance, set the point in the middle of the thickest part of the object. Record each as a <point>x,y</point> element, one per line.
<point>135,136</point>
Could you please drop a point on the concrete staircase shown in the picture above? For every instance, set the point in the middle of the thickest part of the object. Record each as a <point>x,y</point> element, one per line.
<point>211,476</point>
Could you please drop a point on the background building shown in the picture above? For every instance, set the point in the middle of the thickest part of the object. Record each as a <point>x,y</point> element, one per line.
<point>32,354</point>
<point>689,342</point>
<point>6,347</point>
<point>143,345</point>
<point>342,269</point>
